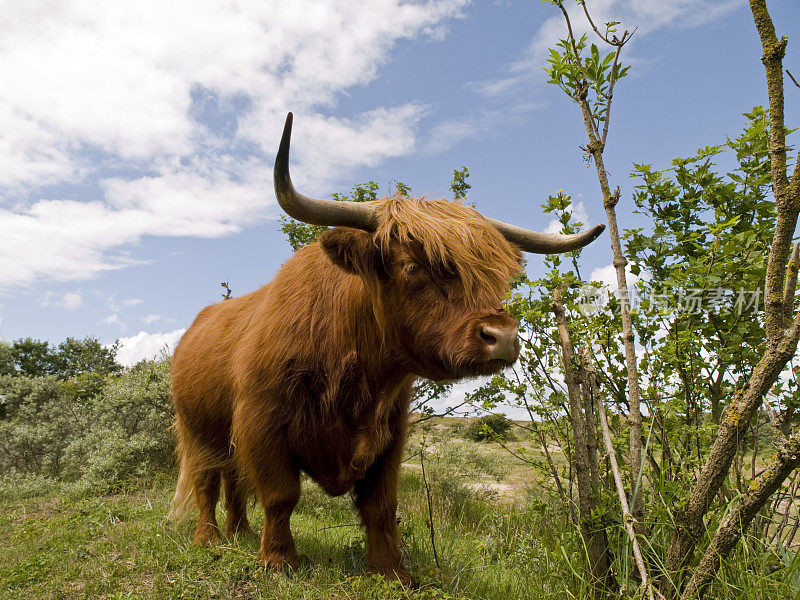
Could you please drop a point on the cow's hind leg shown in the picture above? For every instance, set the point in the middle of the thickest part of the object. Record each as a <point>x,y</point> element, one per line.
<point>206,487</point>
<point>235,503</point>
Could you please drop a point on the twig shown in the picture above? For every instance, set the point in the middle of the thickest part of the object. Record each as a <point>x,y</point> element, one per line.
<point>338,526</point>
<point>445,413</point>
<point>614,41</point>
<point>792,78</point>
<point>559,487</point>
<point>430,507</point>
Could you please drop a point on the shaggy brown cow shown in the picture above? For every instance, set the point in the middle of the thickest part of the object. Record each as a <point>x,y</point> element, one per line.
<point>313,371</point>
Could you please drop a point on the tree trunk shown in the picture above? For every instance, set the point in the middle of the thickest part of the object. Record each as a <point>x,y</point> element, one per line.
<point>782,332</point>
<point>786,460</point>
<point>596,146</point>
<point>595,539</point>
<point>734,425</point>
<point>628,519</point>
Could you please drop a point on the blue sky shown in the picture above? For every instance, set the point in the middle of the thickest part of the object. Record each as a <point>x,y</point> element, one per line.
<point>136,139</point>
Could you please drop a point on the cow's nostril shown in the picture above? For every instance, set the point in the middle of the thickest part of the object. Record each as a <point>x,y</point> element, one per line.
<point>500,343</point>
<point>486,336</point>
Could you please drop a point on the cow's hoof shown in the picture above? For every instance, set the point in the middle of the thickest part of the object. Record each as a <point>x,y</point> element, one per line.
<point>279,562</point>
<point>206,535</point>
<point>243,530</point>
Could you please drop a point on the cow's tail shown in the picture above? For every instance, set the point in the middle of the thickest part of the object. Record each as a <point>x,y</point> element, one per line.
<point>194,459</point>
<point>182,503</point>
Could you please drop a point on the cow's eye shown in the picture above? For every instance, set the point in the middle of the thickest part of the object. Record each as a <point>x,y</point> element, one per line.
<point>413,268</point>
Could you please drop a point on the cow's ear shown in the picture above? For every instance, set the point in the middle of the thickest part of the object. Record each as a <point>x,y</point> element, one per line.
<point>353,250</point>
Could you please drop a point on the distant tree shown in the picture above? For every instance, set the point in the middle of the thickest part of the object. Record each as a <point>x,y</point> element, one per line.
<point>6,358</point>
<point>76,357</point>
<point>33,357</point>
<point>300,234</point>
<point>71,358</point>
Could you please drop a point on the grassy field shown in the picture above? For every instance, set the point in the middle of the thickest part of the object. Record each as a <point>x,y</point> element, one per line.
<point>497,537</point>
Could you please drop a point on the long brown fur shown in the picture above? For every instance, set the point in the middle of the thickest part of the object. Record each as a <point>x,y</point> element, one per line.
<point>313,371</point>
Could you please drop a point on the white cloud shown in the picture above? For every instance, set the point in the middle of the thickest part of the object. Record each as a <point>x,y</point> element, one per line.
<point>144,346</point>
<point>93,91</point>
<point>114,320</point>
<point>645,15</point>
<point>131,301</point>
<point>70,300</point>
<point>446,134</point>
<point>151,318</point>
<point>608,276</point>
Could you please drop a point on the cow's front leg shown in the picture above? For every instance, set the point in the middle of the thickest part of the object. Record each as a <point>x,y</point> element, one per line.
<point>267,464</point>
<point>277,545</point>
<point>376,500</point>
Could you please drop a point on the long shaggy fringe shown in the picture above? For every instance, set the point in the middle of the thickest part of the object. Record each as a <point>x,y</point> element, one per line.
<point>453,236</point>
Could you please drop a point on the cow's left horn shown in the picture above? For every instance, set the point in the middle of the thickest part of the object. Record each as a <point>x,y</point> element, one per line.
<point>546,243</point>
<point>314,210</point>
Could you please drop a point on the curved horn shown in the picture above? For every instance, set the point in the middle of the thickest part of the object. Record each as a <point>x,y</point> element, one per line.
<point>313,210</point>
<point>546,243</point>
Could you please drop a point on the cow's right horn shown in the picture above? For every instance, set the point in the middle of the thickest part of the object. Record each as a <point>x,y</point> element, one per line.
<point>546,243</point>
<point>313,210</point>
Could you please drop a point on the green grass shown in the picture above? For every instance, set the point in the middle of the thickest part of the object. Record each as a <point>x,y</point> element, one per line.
<point>67,543</point>
<point>120,546</point>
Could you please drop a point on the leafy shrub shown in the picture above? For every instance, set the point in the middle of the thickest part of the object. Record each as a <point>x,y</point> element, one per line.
<point>130,436</point>
<point>489,427</point>
<point>37,426</point>
<point>100,430</point>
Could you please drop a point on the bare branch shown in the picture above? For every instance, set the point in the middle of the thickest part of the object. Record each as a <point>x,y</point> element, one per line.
<point>792,78</point>
<point>430,506</point>
<point>614,41</point>
<point>791,284</point>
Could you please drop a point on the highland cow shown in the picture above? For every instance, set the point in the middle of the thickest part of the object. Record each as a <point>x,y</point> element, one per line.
<point>313,372</point>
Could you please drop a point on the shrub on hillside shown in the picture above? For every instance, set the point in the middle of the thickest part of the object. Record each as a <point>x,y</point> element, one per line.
<point>488,427</point>
<point>130,436</point>
<point>37,425</point>
<point>99,430</point>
